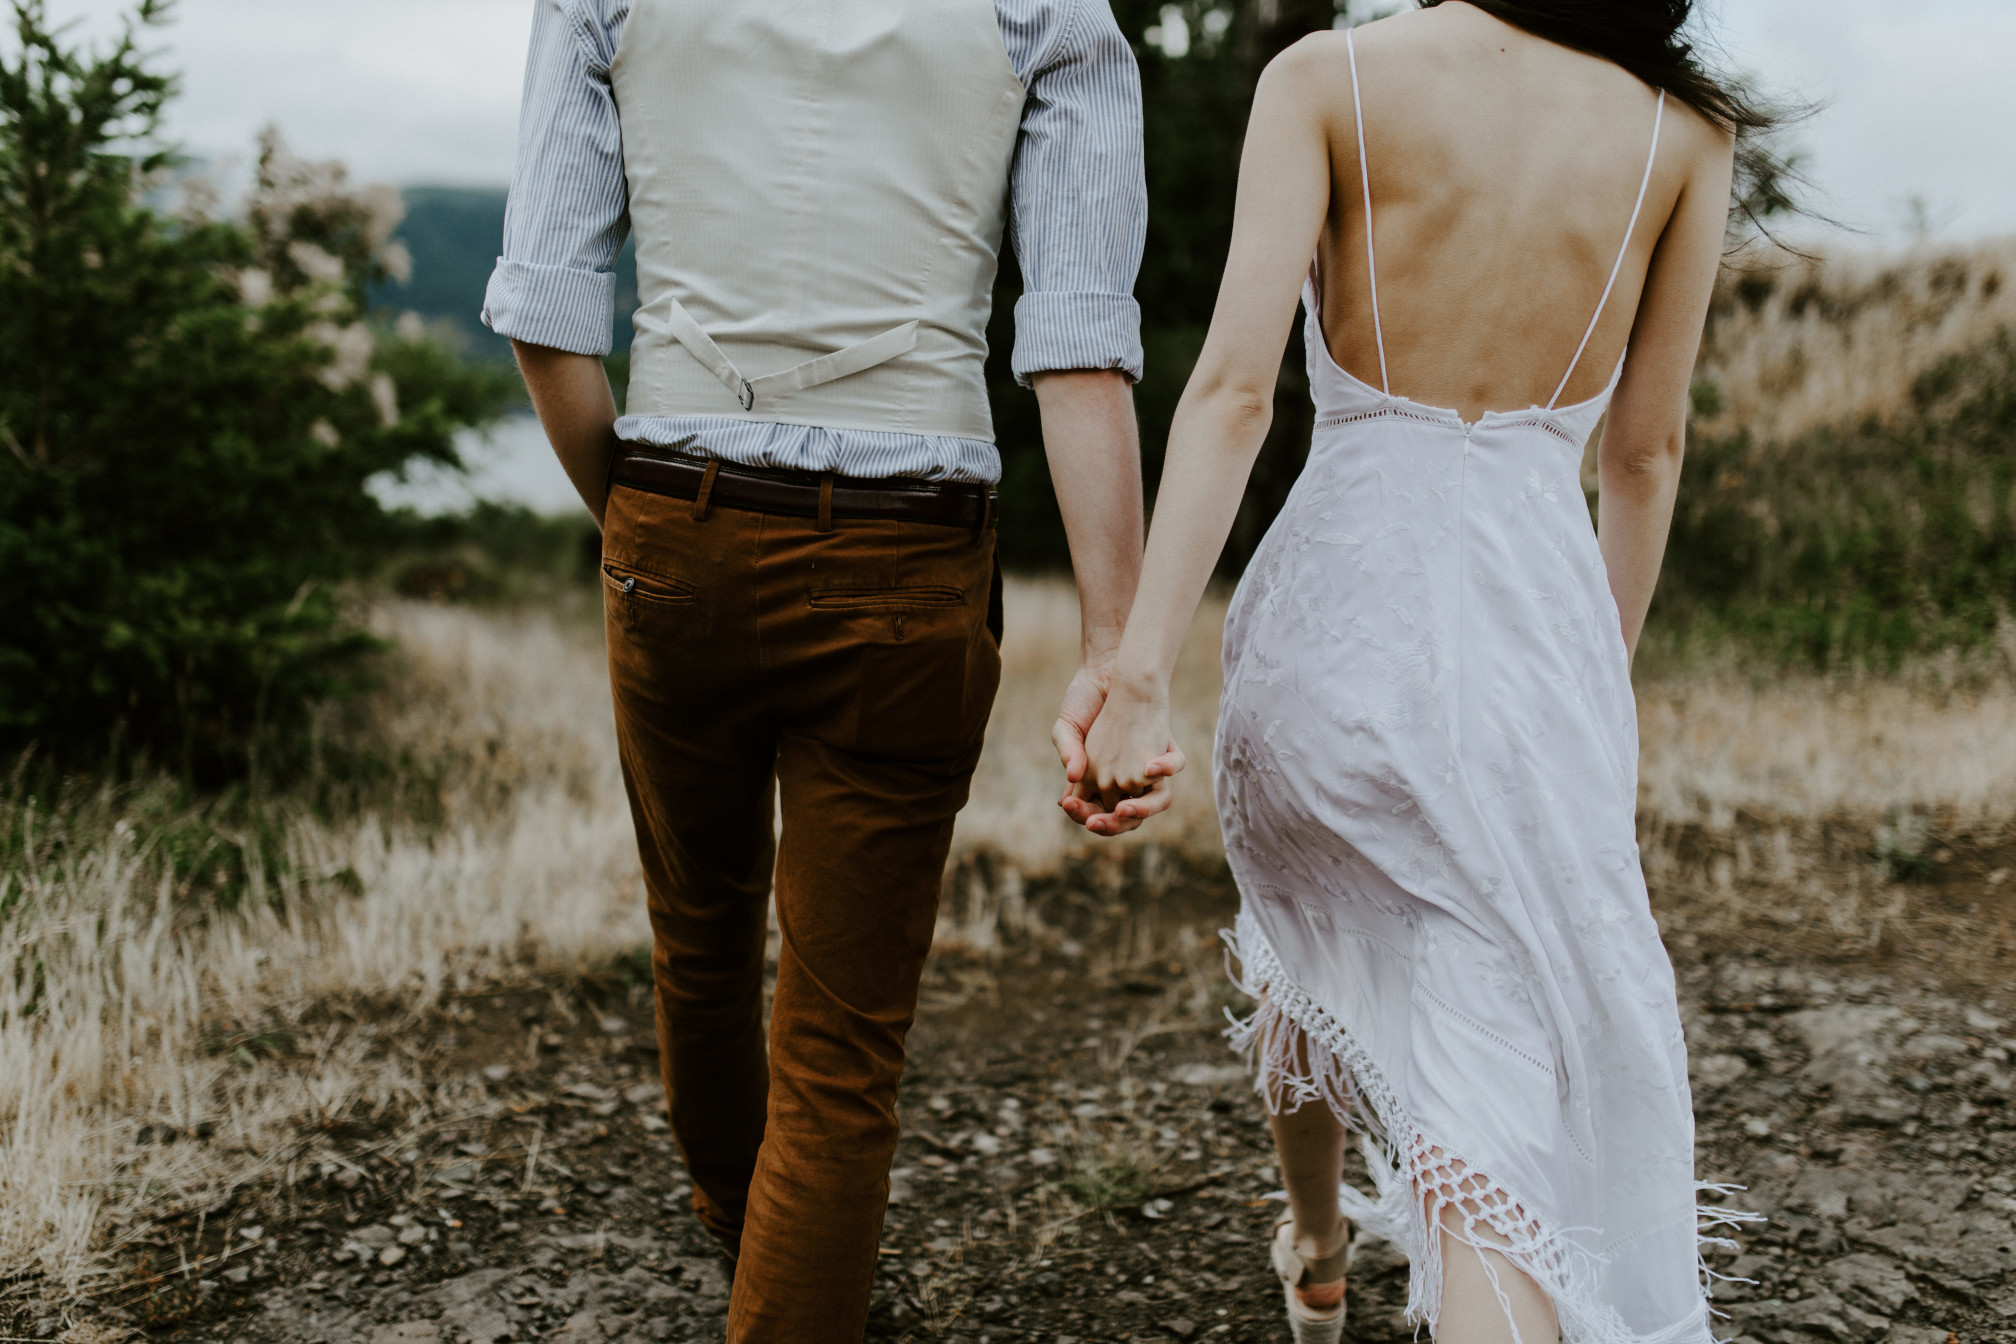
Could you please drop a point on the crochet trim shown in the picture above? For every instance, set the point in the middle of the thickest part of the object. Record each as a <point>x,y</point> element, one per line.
<point>1303,1054</point>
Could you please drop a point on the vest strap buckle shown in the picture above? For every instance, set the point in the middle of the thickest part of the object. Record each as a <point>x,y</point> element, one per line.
<point>857,358</point>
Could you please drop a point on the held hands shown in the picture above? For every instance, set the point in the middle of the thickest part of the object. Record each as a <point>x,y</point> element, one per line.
<point>1116,751</point>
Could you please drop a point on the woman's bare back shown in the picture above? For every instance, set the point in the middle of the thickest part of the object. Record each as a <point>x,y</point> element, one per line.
<point>1503,174</point>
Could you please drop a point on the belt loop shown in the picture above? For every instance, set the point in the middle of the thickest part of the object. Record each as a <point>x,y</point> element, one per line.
<point>617,452</point>
<point>706,490</point>
<point>987,498</point>
<point>826,502</point>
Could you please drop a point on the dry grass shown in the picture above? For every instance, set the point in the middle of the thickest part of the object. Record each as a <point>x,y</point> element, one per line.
<point>1796,345</point>
<point>1014,807</point>
<point>1836,817</point>
<point>122,1010</point>
<point>1715,742</point>
<point>1809,747</point>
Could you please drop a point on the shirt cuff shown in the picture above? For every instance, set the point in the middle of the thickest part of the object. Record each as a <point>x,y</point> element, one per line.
<point>563,307</point>
<point>1055,332</point>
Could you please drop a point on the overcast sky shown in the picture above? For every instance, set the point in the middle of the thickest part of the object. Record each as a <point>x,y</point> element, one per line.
<point>1921,93</point>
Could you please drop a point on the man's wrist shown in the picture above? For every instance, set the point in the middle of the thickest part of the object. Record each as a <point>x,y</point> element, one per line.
<point>1099,647</point>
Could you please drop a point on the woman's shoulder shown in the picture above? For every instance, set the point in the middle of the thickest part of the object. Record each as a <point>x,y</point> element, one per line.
<point>1422,45</point>
<point>1380,37</point>
<point>1696,141</point>
<point>1321,60</point>
<point>1315,53</point>
<point>1308,73</point>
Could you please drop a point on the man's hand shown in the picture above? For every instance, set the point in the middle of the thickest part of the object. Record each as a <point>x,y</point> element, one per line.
<point>1111,810</point>
<point>578,412</point>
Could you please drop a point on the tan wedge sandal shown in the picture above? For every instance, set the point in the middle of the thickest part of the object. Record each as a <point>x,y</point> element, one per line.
<point>1311,1325</point>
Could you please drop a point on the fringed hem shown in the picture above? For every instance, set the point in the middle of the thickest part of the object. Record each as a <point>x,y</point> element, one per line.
<point>1303,1054</point>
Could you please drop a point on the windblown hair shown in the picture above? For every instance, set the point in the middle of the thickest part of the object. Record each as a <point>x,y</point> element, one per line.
<point>1645,38</point>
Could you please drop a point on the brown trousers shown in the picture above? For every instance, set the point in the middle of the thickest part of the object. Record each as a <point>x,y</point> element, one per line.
<point>849,673</point>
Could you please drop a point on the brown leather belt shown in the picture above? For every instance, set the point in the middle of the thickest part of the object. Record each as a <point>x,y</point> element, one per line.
<point>801,494</point>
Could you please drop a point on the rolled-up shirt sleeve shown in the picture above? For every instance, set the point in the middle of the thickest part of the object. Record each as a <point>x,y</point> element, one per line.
<point>569,211</point>
<point>1080,203</point>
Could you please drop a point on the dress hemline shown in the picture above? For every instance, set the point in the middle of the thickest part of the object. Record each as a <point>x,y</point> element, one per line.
<point>1419,1180</point>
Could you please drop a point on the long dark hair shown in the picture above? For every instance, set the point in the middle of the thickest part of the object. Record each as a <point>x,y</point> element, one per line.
<point>1645,38</point>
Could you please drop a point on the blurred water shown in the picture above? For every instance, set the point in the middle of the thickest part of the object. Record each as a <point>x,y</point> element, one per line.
<point>509,464</point>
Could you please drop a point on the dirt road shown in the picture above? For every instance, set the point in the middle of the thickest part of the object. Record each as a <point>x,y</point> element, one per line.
<point>1083,1160</point>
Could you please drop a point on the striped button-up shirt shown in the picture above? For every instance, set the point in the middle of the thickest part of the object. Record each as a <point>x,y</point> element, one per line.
<point>1079,213</point>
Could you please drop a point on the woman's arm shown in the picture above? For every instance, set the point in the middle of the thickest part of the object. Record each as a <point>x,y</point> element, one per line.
<point>1284,194</point>
<point>1645,432</point>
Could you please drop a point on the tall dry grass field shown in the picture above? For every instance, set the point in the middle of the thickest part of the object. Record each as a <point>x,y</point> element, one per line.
<point>1796,344</point>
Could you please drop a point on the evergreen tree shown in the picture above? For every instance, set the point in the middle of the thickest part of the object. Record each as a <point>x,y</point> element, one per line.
<point>190,407</point>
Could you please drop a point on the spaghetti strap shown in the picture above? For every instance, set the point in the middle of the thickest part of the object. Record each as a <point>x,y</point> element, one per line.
<point>1365,180</point>
<point>1637,210</point>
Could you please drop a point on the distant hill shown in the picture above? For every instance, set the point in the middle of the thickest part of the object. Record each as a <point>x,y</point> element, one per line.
<point>454,234</point>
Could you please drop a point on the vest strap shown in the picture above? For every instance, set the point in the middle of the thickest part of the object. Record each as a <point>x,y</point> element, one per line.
<point>680,325</point>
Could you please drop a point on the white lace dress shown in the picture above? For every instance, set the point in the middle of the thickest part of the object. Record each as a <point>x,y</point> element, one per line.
<point>1426,771</point>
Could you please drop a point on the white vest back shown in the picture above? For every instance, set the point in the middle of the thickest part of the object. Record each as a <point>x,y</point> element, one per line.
<point>819,192</point>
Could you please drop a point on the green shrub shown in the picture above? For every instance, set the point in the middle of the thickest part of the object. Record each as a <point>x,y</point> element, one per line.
<point>189,409</point>
<point>493,553</point>
<point>1863,546</point>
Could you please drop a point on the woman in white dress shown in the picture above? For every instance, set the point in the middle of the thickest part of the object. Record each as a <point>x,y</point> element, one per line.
<point>1427,750</point>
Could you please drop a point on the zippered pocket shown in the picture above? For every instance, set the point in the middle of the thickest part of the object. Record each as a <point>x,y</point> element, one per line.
<point>643,586</point>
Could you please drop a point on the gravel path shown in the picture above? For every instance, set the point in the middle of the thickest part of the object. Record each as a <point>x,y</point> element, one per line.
<point>1083,1162</point>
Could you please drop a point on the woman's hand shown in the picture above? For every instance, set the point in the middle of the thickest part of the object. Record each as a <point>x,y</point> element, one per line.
<point>1129,760</point>
<point>1084,699</point>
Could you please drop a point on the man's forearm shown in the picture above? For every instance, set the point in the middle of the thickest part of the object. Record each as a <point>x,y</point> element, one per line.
<point>578,412</point>
<point>1094,446</point>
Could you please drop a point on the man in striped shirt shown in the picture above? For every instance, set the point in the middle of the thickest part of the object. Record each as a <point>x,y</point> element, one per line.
<point>798,515</point>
